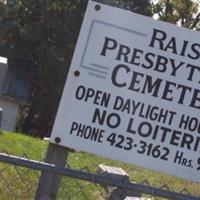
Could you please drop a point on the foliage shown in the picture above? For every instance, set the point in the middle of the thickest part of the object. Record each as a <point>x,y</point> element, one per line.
<point>41,36</point>
<point>182,12</point>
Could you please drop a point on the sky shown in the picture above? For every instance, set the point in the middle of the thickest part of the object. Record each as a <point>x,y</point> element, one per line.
<point>3,60</point>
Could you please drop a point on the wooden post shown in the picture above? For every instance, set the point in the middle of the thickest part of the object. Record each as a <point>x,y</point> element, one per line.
<point>49,183</point>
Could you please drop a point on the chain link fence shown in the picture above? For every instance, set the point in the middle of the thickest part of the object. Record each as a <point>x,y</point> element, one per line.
<point>20,183</point>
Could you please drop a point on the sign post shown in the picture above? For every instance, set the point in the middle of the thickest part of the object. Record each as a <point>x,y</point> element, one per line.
<point>49,182</point>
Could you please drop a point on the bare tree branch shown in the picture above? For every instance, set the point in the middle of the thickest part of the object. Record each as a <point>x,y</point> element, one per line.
<point>196,21</point>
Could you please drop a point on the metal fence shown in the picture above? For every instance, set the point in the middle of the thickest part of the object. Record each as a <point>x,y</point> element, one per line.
<point>19,178</point>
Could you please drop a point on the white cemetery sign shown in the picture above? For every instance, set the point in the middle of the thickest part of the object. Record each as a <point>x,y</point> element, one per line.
<point>133,92</point>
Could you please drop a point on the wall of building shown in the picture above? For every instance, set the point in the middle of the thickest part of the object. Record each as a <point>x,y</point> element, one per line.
<point>10,110</point>
<point>15,80</point>
<point>3,72</point>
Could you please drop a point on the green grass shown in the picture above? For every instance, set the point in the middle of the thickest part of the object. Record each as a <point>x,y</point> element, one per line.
<point>18,144</point>
<point>20,183</point>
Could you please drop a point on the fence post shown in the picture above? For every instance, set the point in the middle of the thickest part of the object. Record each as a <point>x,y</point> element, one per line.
<point>1,115</point>
<point>48,184</point>
<point>120,176</point>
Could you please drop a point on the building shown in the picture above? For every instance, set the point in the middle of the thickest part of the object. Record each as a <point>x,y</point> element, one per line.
<point>14,90</point>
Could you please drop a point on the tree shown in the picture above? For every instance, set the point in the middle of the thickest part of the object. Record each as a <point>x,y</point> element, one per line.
<point>41,35</point>
<point>182,12</point>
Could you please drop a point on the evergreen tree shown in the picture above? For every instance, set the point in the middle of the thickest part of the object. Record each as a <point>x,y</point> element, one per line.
<point>41,35</point>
